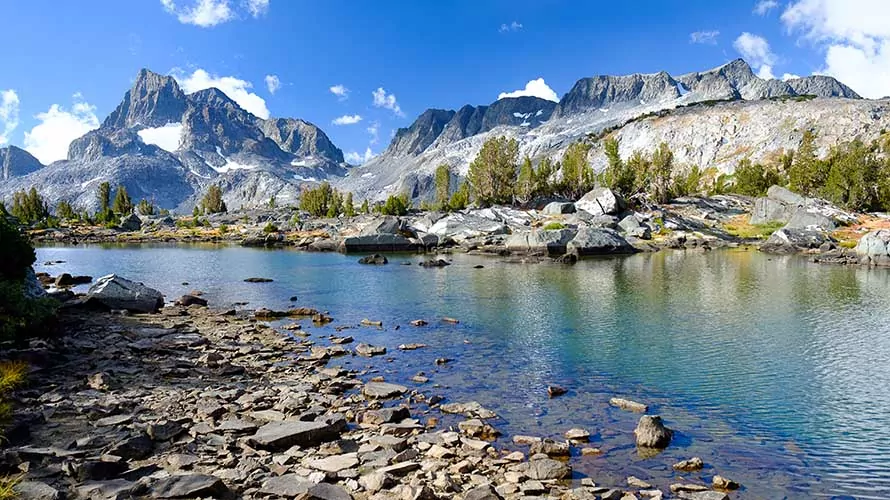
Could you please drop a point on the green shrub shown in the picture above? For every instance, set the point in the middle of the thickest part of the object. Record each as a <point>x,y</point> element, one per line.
<point>20,317</point>
<point>551,226</point>
<point>395,205</point>
<point>270,228</point>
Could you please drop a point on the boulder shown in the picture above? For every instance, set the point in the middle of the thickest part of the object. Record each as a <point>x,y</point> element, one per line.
<point>66,280</point>
<point>632,227</point>
<point>599,201</point>
<point>279,436</point>
<point>594,241</point>
<point>377,243</point>
<point>115,292</point>
<point>131,222</point>
<point>788,240</point>
<point>809,219</point>
<point>874,248</point>
<point>546,469</point>
<point>540,242</point>
<point>778,206</point>
<point>382,225</point>
<point>383,390</point>
<point>459,227</point>
<point>651,432</point>
<point>375,259</point>
<point>33,289</point>
<point>35,490</point>
<point>558,208</point>
<point>434,263</point>
<point>191,300</point>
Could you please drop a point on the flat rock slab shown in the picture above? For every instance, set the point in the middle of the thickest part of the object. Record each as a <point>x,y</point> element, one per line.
<point>288,485</point>
<point>190,486</point>
<point>335,463</point>
<point>279,436</point>
<point>36,490</point>
<point>470,410</point>
<point>544,469</point>
<point>326,491</point>
<point>626,404</point>
<point>383,390</point>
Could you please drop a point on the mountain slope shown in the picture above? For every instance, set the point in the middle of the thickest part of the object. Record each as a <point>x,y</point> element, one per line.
<point>168,146</point>
<point>16,162</point>
<point>592,105</point>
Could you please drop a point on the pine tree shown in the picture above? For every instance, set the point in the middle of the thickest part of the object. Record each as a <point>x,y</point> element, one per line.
<point>29,206</point>
<point>145,207</point>
<point>65,211</point>
<point>577,174</point>
<point>103,194</point>
<point>348,207</point>
<point>525,182</point>
<point>213,203</point>
<point>443,186</point>
<point>122,203</point>
<point>461,198</point>
<point>542,178</point>
<point>662,164</point>
<point>807,173</point>
<point>366,209</point>
<point>493,172</point>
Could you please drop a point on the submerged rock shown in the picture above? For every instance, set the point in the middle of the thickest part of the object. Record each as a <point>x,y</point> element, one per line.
<point>115,292</point>
<point>626,404</point>
<point>375,259</point>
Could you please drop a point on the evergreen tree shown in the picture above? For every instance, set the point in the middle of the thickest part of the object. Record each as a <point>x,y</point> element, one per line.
<point>525,182</point>
<point>366,209</point>
<point>29,207</point>
<point>618,176</point>
<point>122,203</point>
<point>807,173</point>
<point>65,211</point>
<point>103,194</point>
<point>443,186</point>
<point>348,207</point>
<point>662,164</point>
<point>335,208</point>
<point>317,200</point>
<point>542,177</point>
<point>461,198</point>
<point>493,172</point>
<point>212,202</point>
<point>145,207</point>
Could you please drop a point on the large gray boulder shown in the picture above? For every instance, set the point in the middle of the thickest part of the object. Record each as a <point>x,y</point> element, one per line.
<point>804,218</point>
<point>599,201</point>
<point>788,240</point>
<point>460,227</point>
<point>778,206</point>
<point>115,292</point>
<point>377,243</point>
<point>543,242</point>
<point>596,241</point>
<point>558,208</point>
<point>651,432</point>
<point>382,225</point>
<point>131,222</point>
<point>631,226</point>
<point>874,248</point>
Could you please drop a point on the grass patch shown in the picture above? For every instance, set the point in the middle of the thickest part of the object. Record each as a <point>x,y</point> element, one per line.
<point>848,244</point>
<point>7,486</point>
<point>552,226</point>
<point>741,228</point>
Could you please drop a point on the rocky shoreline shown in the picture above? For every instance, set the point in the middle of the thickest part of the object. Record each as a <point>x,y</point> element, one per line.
<point>600,223</point>
<point>190,402</point>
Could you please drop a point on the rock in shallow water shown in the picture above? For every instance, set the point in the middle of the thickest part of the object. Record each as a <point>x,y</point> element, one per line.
<point>651,433</point>
<point>115,292</point>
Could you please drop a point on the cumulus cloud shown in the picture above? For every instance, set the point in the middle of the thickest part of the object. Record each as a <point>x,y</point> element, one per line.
<point>764,6</point>
<point>166,137</point>
<point>789,76</point>
<point>258,8</point>
<point>9,114</point>
<point>238,90</point>
<point>708,37</point>
<point>203,13</point>
<point>340,91</point>
<point>755,49</point>
<point>514,26</point>
<point>854,35</point>
<point>536,88</point>
<point>272,83</point>
<point>347,120</point>
<point>48,141</point>
<point>387,101</point>
<point>355,158</point>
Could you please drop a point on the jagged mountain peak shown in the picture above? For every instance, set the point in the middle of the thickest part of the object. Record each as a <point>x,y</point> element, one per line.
<point>154,100</point>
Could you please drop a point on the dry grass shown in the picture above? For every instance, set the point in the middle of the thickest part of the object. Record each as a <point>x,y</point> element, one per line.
<point>741,228</point>
<point>12,374</point>
<point>7,486</point>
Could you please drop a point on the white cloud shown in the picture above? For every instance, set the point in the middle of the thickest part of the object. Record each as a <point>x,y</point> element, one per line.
<point>204,13</point>
<point>374,131</point>
<point>48,141</point>
<point>536,88</point>
<point>9,114</point>
<point>708,37</point>
<point>764,6</point>
<point>347,120</point>
<point>340,91</point>
<point>258,8</point>
<point>235,88</point>
<point>166,137</point>
<point>514,26</point>
<point>273,83</point>
<point>357,158</point>
<point>789,76</point>
<point>755,49</point>
<point>855,36</point>
<point>388,101</point>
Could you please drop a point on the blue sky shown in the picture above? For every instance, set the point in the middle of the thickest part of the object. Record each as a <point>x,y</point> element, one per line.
<point>72,61</point>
